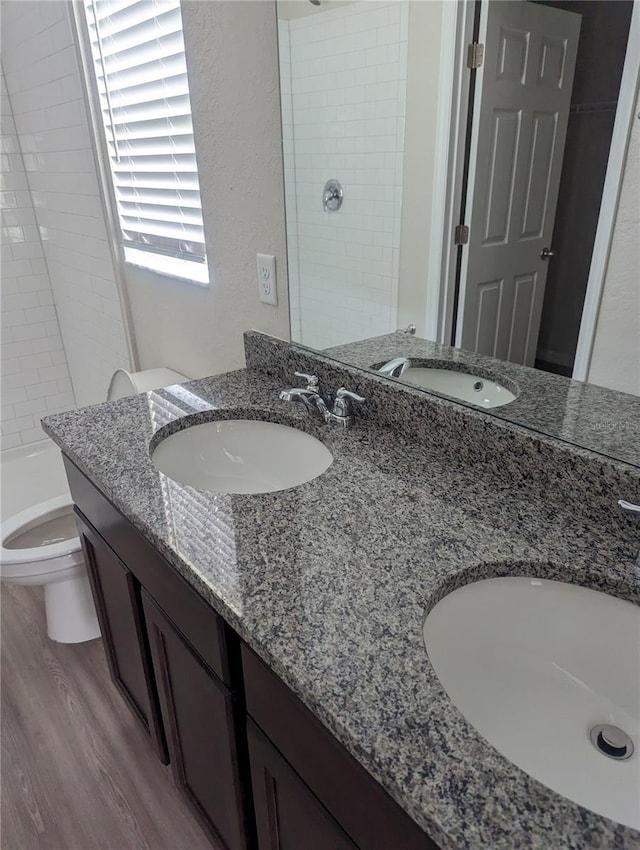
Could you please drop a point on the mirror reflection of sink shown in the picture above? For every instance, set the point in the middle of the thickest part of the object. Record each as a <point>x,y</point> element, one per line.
<point>548,673</point>
<point>464,386</point>
<point>241,456</point>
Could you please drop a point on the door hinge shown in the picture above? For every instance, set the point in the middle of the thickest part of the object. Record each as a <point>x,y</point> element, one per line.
<point>461,234</point>
<point>475,55</point>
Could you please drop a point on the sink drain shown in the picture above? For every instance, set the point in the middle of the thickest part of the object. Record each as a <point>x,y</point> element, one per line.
<point>612,741</point>
<point>478,386</point>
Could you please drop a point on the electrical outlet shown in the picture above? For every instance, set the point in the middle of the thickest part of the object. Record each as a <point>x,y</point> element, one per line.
<point>267,283</point>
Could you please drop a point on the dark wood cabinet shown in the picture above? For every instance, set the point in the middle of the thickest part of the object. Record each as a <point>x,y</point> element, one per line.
<point>117,597</point>
<point>244,750</point>
<point>199,719</point>
<point>323,774</point>
<point>288,815</point>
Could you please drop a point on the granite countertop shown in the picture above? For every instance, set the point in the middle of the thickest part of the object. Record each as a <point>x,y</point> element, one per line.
<point>577,412</point>
<point>329,583</point>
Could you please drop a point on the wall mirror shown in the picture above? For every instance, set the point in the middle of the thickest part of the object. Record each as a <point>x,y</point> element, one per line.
<point>469,192</point>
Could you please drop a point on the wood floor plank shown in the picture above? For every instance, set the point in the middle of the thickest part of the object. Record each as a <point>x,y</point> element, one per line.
<point>77,772</point>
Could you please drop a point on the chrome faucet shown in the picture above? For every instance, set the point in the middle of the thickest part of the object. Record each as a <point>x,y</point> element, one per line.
<point>309,395</point>
<point>341,412</point>
<point>395,368</point>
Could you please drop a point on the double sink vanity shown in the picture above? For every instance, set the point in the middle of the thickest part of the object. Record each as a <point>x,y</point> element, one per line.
<point>417,629</point>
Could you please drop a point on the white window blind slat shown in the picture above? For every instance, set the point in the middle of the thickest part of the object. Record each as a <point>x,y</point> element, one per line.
<point>162,89</point>
<point>153,130</point>
<point>104,9</point>
<point>125,60</point>
<point>153,180</point>
<point>159,21</point>
<point>155,147</point>
<point>111,8</point>
<point>132,206</point>
<point>138,52</point>
<point>129,195</point>
<point>162,217</point>
<point>120,80</point>
<point>165,229</point>
<point>173,108</point>
<point>132,166</point>
<point>158,197</point>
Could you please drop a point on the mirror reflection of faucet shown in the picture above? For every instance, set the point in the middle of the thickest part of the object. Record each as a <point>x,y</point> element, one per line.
<point>395,368</point>
<point>444,378</point>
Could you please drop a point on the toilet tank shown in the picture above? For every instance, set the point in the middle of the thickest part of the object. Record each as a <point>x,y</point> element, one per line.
<point>125,383</point>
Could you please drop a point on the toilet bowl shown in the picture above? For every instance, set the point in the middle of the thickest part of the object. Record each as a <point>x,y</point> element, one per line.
<point>39,544</point>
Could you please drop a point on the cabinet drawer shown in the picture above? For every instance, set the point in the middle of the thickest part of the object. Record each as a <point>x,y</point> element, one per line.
<point>197,621</point>
<point>358,803</point>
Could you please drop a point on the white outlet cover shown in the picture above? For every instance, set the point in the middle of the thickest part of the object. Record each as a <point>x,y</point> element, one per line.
<point>267,281</point>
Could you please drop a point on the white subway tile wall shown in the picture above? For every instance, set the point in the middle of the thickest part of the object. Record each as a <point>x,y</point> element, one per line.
<point>43,79</point>
<point>346,69</point>
<point>35,376</point>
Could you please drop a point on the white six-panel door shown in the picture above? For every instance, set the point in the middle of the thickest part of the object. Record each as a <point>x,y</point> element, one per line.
<point>521,110</point>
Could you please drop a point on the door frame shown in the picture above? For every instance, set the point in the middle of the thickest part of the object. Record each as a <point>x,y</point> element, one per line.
<point>454,100</point>
<point>623,123</point>
<point>450,147</point>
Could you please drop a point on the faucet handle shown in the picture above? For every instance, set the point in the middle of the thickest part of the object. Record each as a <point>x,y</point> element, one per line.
<point>342,403</point>
<point>629,506</point>
<point>344,393</point>
<point>341,410</point>
<point>312,380</point>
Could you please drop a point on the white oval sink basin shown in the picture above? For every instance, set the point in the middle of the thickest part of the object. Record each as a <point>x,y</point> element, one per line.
<point>460,385</point>
<point>241,456</point>
<point>535,665</point>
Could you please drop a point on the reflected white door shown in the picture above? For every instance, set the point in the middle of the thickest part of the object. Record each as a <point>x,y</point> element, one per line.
<point>523,95</point>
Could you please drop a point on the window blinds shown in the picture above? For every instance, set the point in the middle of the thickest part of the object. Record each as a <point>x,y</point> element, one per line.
<point>138,52</point>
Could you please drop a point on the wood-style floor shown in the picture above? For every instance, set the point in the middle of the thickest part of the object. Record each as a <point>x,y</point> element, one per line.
<point>77,771</point>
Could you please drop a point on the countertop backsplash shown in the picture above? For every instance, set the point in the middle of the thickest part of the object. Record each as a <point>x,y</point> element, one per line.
<point>589,483</point>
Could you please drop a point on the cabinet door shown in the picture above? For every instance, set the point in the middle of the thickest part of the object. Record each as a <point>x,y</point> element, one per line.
<point>199,718</point>
<point>116,594</point>
<point>288,815</point>
<point>344,789</point>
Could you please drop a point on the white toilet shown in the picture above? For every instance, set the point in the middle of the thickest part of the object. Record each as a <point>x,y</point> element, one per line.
<point>40,544</point>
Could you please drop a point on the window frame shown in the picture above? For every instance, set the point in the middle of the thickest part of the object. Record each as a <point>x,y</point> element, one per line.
<point>183,271</point>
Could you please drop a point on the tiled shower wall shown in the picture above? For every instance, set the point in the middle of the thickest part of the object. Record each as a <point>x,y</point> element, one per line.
<point>44,83</point>
<point>348,69</point>
<point>35,376</point>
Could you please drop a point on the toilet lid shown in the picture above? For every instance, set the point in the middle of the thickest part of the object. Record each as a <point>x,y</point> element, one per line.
<point>40,528</point>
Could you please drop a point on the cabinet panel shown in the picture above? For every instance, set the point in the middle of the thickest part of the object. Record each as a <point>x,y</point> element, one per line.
<point>201,626</point>
<point>358,803</point>
<point>199,718</point>
<point>288,815</point>
<point>117,597</point>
